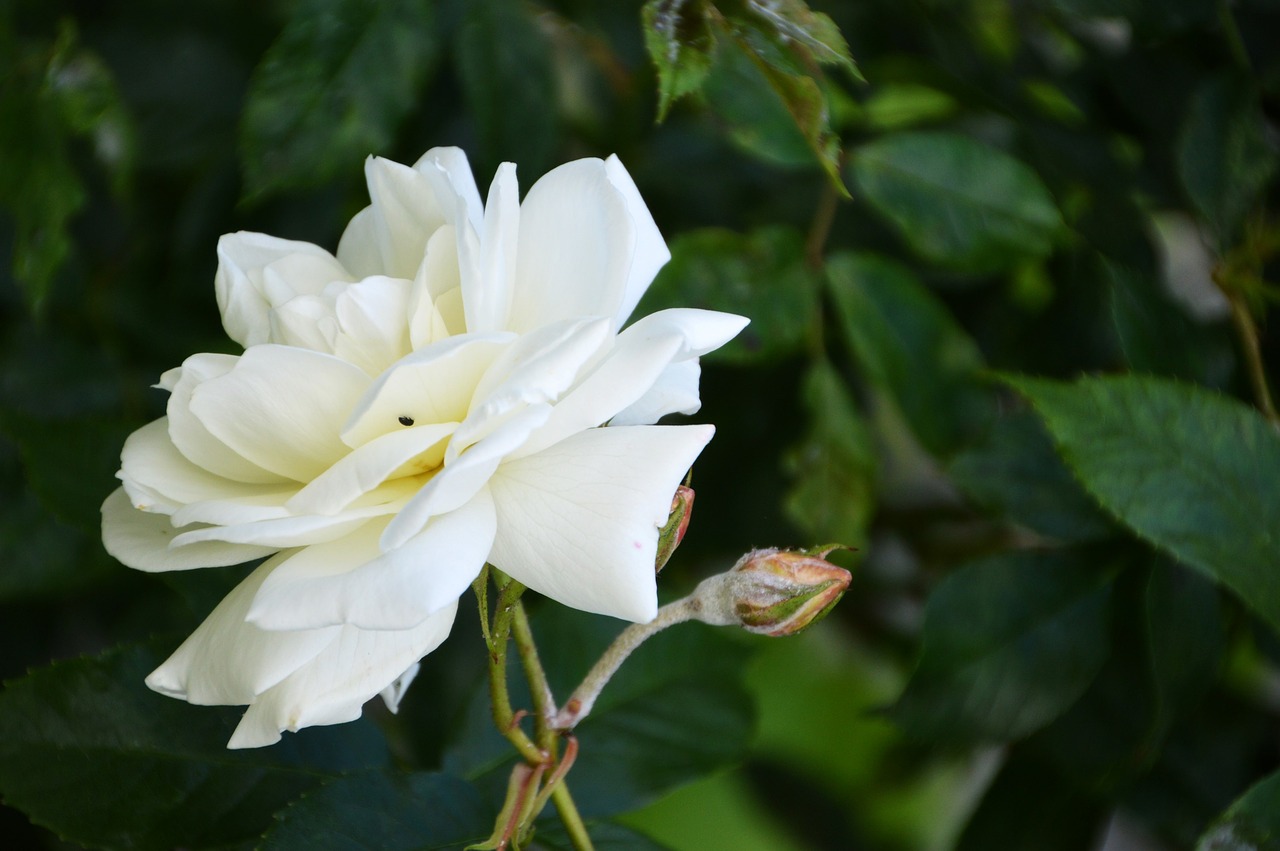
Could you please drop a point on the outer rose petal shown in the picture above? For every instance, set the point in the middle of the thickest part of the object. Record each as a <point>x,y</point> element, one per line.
<point>350,581</point>
<point>576,245</point>
<point>487,297</point>
<point>651,252</point>
<point>142,541</point>
<point>332,688</point>
<point>675,392</point>
<point>227,660</point>
<point>579,521</point>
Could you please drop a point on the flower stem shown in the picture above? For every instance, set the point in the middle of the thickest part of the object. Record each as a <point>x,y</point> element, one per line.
<point>571,818</point>
<point>499,696</point>
<point>584,697</point>
<point>544,704</point>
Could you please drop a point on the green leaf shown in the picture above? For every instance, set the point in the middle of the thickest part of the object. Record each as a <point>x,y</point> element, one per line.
<point>675,711</point>
<point>89,752</point>
<point>895,106</point>
<point>834,468</point>
<point>1224,156</point>
<point>1016,473</point>
<point>39,187</point>
<point>1185,636</point>
<point>682,46</point>
<point>958,202</point>
<point>333,89</point>
<point>1029,808</point>
<point>504,63</point>
<point>906,343</point>
<point>1251,824</point>
<point>1009,643</point>
<point>383,811</point>
<point>761,275</point>
<point>1175,463</point>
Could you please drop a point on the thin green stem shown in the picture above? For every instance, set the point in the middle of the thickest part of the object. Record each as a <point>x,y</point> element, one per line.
<point>571,818</point>
<point>1231,32</point>
<point>481,589</point>
<point>1248,332</point>
<point>499,696</point>
<point>544,704</point>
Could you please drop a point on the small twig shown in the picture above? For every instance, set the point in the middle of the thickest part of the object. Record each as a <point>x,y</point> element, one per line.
<point>544,704</point>
<point>1248,332</point>
<point>571,818</point>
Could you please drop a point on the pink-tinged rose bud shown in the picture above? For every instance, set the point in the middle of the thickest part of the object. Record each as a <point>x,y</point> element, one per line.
<point>672,532</point>
<point>781,592</point>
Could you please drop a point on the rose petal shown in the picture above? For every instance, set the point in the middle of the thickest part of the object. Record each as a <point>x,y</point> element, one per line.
<point>406,212</point>
<point>394,693</point>
<point>437,275</point>
<point>240,287</point>
<point>371,320</point>
<point>282,408</point>
<point>350,581</point>
<point>429,386</point>
<point>487,297</point>
<point>281,532</point>
<point>452,164</point>
<point>462,478</point>
<point>141,540</point>
<point>227,660</point>
<point>675,392</point>
<point>150,464</point>
<point>191,436</point>
<point>358,250</point>
<point>651,252</point>
<point>410,451</point>
<point>332,688</point>
<point>575,247</point>
<point>579,521</point>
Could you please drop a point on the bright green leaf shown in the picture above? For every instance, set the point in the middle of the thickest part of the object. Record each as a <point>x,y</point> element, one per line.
<point>1009,643</point>
<point>1016,473</point>
<point>1194,472</point>
<point>761,275</point>
<point>383,811</point>
<point>1224,156</point>
<point>681,45</point>
<point>1251,824</point>
<point>504,63</point>
<point>89,752</point>
<point>906,342</point>
<point>895,106</point>
<point>834,468</point>
<point>333,89</point>
<point>958,202</point>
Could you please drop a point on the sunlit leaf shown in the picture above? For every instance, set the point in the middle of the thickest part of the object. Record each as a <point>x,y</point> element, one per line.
<point>681,44</point>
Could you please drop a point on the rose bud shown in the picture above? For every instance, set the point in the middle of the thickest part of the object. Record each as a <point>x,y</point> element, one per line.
<point>672,532</point>
<point>781,592</point>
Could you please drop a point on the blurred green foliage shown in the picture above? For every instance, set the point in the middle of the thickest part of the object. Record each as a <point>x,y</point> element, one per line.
<point>1025,368</point>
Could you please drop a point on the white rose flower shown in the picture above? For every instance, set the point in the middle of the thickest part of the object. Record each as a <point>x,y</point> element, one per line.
<point>427,400</point>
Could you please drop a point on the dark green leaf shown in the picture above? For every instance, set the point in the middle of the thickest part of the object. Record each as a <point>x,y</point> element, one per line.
<point>1185,635</point>
<point>89,752</point>
<point>504,62</point>
<point>70,463</point>
<point>383,811</point>
<point>1030,808</point>
<point>1016,473</point>
<point>674,712</point>
<point>958,202</point>
<point>906,343</point>
<point>681,45</point>
<point>794,24</point>
<point>761,275</point>
<point>333,89</point>
<point>1251,824</point>
<point>1009,643</point>
<point>1175,463</point>
<point>39,187</point>
<point>1224,156</point>
<point>834,468</point>
<point>1157,335</point>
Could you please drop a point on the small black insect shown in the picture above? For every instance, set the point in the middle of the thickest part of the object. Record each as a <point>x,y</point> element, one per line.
<point>406,421</point>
